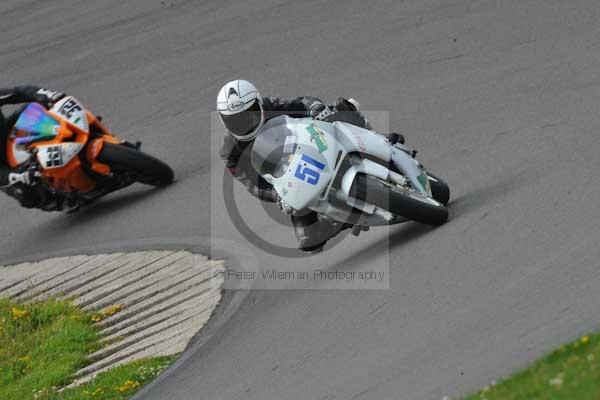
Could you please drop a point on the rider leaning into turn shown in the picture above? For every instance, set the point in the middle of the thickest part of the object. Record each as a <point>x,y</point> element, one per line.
<point>17,183</point>
<point>243,112</point>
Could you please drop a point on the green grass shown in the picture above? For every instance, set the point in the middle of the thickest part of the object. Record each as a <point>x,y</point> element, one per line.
<point>116,384</point>
<point>43,344</point>
<point>571,372</point>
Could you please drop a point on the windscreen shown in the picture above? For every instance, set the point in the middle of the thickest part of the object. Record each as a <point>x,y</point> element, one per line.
<point>36,123</point>
<point>274,148</point>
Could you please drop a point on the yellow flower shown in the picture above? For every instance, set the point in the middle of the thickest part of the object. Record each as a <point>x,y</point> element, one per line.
<point>585,339</point>
<point>112,310</point>
<point>18,313</point>
<point>128,385</point>
<point>96,318</point>
<point>97,392</point>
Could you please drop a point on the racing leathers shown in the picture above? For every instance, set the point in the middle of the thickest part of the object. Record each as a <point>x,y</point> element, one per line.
<point>19,182</point>
<point>312,230</point>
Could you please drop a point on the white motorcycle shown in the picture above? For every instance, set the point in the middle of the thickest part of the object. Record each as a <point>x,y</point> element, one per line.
<point>347,173</point>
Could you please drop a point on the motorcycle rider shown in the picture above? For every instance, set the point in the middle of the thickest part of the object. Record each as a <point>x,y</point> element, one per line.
<point>243,111</point>
<point>21,183</point>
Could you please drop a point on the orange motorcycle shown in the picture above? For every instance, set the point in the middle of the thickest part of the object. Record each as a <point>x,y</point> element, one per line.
<point>76,156</point>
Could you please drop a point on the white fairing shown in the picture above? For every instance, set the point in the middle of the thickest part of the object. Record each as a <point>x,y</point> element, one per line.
<point>319,143</point>
<point>21,154</point>
<point>57,155</point>
<point>362,140</point>
<point>71,110</point>
<point>311,169</point>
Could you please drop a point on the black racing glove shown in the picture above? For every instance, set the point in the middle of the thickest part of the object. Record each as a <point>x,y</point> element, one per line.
<point>45,97</point>
<point>347,108</point>
<point>320,111</point>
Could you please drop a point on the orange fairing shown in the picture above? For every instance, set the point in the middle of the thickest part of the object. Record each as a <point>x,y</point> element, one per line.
<point>71,176</point>
<point>93,150</point>
<point>10,153</point>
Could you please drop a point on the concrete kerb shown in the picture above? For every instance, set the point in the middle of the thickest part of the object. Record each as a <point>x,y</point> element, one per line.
<point>203,323</point>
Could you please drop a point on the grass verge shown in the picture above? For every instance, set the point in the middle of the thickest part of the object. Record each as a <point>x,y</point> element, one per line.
<point>43,344</point>
<point>119,383</point>
<point>568,373</point>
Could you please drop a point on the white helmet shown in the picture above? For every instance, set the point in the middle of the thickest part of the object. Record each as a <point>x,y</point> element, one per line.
<point>240,107</point>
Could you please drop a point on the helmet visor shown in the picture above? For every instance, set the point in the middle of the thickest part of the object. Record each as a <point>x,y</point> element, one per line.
<point>244,122</point>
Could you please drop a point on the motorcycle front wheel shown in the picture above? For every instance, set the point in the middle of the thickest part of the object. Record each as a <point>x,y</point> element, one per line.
<point>397,201</point>
<point>439,189</point>
<point>142,167</point>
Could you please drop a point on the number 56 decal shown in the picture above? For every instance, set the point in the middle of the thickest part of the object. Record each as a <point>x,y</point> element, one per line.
<point>307,173</point>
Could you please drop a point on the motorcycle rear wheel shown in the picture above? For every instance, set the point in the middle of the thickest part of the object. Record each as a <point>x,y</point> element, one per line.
<point>374,191</point>
<point>142,167</point>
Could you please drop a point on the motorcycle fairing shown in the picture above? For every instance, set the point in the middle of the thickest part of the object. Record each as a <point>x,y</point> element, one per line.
<point>73,112</point>
<point>303,157</point>
<point>58,136</point>
<point>360,140</point>
<point>309,162</point>
<point>57,155</point>
<point>317,146</point>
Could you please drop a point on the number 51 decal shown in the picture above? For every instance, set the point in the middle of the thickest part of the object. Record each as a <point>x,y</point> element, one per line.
<point>307,173</point>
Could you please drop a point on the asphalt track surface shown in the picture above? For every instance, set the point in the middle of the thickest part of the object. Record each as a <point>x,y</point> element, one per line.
<point>501,97</point>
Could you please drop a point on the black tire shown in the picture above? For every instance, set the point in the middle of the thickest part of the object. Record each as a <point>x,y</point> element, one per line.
<point>142,167</point>
<point>374,191</point>
<point>439,189</point>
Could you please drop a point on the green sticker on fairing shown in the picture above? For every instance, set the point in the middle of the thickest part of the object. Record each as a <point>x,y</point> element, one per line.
<point>317,136</point>
<point>424,181</point>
